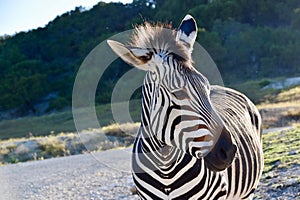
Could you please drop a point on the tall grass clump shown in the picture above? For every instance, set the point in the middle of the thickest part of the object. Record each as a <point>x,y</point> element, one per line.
<point>52,147</point>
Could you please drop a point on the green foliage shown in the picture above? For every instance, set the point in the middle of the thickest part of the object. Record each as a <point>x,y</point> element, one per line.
<point>249,40</point>
<point>212,42</point>
<point>58,103</point>
<point>24,87</point>
<point>264,83</point>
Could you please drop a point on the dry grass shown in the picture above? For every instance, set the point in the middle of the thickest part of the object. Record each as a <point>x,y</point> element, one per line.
<point>291,95</point>
<point>52,147</point>
<point>286,98</point>
<point>121,130</point>
<point>282,109</point>
<point>278,105</point>
<point>63,144</point>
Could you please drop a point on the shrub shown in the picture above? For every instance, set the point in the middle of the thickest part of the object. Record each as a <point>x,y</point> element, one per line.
<point>52,147</point>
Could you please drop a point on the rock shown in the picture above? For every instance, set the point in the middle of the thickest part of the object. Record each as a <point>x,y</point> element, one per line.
<point>292,153</point>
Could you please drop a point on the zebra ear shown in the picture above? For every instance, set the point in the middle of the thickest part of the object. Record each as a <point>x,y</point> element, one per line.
<point>134,56</point>
<point>187,32</point>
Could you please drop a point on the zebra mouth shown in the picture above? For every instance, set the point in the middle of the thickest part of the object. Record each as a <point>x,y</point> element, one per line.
<point>216,164</point>
<point>216,167</point>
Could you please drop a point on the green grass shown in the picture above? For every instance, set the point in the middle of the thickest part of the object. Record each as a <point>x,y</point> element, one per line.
<point>58,122</point>
<point>281,149</point>
<point>253,90</point>
<point>43,125</point>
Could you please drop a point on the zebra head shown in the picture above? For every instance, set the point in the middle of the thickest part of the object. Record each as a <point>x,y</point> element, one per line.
<point>176,97</point>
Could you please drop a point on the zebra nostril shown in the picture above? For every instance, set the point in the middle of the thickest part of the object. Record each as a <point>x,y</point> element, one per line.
<point>199,155</point>
<point>223,155</point>
<point>228,154</point>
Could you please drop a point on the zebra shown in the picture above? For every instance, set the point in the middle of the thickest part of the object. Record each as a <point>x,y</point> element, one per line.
<point>196,140</point>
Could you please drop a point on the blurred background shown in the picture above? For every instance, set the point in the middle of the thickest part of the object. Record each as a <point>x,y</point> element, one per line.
<point>255,44</point>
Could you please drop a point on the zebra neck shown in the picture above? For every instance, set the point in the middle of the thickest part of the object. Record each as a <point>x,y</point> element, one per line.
<point>163,156</point>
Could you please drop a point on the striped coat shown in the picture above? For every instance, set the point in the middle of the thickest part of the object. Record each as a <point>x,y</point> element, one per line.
<point>196,140</point>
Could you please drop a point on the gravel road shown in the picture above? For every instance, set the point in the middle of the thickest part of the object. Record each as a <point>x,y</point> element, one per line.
<point>106,175</point>
<point>103,175</point>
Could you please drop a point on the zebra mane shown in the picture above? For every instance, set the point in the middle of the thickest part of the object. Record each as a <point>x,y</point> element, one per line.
<point>161,37</point>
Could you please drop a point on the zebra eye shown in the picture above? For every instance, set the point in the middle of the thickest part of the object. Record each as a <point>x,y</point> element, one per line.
<point>180,94</point>
<point>146,57</point>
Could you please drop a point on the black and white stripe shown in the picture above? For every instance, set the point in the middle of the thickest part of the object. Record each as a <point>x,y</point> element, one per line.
<point>196,141</point>
<point>164,172</point>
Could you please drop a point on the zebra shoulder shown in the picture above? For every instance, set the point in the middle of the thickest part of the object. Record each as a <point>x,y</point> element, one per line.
<point>227,98</point>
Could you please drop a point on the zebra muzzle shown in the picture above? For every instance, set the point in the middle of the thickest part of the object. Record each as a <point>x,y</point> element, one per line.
<point>222,154</point>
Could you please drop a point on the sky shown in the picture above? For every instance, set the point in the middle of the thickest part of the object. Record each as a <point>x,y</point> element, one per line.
<point>24,15</point>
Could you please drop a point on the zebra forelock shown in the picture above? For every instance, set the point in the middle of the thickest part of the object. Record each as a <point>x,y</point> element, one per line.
<point>161,38</point>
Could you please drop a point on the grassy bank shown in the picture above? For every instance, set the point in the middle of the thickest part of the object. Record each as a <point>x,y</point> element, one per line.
<point>64,144</point>
<point>281,149</point>
<point>59,122</point>
<point>253,90</point>
<point>280,179</point>
<point>281,109</point>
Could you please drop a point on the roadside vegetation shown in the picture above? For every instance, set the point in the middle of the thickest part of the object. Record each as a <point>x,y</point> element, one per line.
<point>280,179</point>
<point>281,108</point>
<point>65,144</point>
<point>281,149</point>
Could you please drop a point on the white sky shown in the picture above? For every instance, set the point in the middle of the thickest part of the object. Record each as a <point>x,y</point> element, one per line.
<point>24,15</point>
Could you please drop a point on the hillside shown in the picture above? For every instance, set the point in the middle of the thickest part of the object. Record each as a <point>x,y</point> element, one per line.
<point>249,40</point>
